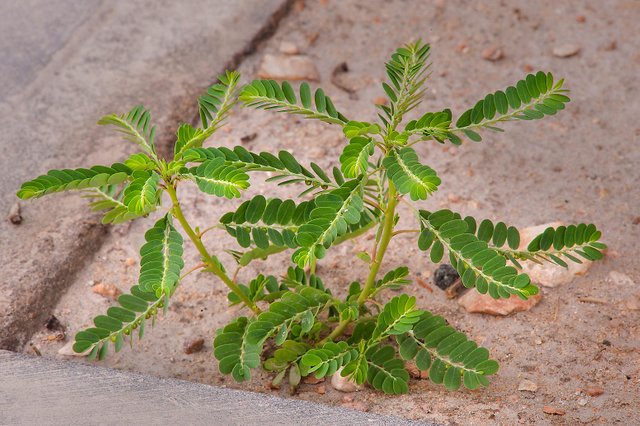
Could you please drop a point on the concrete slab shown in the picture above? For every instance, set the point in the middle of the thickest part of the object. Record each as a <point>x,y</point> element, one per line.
<point>45,392</point>
<point>84,60</point>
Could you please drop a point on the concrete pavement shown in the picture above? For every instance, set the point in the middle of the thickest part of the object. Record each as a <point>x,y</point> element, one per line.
<point>65,64</point>
<point>44,392</point>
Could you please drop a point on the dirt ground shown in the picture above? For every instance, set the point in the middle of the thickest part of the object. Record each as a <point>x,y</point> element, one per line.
<point>580,166</point>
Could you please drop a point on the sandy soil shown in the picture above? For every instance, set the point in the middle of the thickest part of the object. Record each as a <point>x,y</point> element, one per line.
<point>578,166</point>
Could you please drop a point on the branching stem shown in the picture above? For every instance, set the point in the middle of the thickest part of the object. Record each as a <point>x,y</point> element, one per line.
<point>212,265</point>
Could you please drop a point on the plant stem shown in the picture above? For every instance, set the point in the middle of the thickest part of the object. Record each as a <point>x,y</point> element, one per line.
<point>212,265</point>
<point>387,234</point>
<point>336,332</point>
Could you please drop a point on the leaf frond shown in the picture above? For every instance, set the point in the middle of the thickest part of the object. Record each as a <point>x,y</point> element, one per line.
<point>108,198</point>
<point>286,169</point>
<point>406,71</point>
<point>268,94</point>
<point>217,178</point>
<point>354,160</point>
<point>213,107</point>
<point>449,356</point>
<point>531,98</point>
<point>70,179</point>
<point>331,217</point>
<point>135,126</point>
<point>263,222</point>
<point>119,322</point>
<point>161,258</point>
<point>408,175</point>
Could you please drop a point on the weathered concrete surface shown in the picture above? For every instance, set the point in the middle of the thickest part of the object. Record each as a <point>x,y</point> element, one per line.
<point>65,65</point>
<point>41,391</point>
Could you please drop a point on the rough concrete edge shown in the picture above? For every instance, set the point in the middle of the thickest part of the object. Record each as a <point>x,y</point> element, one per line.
<point>22,323</point>
<point>93,233</point>
<point>46,384</point>
<point>263,34</point>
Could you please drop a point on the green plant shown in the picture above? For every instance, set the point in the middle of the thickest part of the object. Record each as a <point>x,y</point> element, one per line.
<point>311,330</point>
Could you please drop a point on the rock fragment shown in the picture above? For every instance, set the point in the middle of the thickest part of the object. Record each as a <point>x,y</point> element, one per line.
<point>288,67</point>
<point>594,390</point>
<point>527,386</point>
<point>474,302</point>
<point>312,380</point>
<point>444,276</point>
<point>549,274</point>
<point>193,346</point>
<point>288,48</point>
<point>344,384</point>
<point>566,50</point>
<point>549,409</point>
<point>53,324</point>
<point>492,54</point>
<point>15,216</point>
<point>109,291</point>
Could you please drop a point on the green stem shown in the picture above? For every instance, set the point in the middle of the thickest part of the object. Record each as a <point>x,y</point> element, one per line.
<point>212,265</point>
<point>387,234</point>
<point>335,333</point>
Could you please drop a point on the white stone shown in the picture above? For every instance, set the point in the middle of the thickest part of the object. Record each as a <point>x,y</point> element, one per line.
<point>344,384</point>
<point>566,50</point>
<point>288,67</point>
<point>549,274</point>
<point>288,48</point>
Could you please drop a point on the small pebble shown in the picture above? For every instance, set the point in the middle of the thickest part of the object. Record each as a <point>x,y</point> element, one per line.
<point>109,291</point>
<point>548,409</point>
<point>321,390</point>
<point>288,48</point>
<point>248,138</point>
<point>312,380</point>
<point>193,346</point>
<point>14,215</point>
<point>594,390</point>
<point>582,402</point>
<point>288,67</point>
<point>492,54</point>
<point>53,323</point>
<point>444,276</point>
<point>344,384</point>
<point>380,100</point>
<point>566,50</point>
<point>412,369</point>
<point>356,405</point>
<point>528,386</point>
